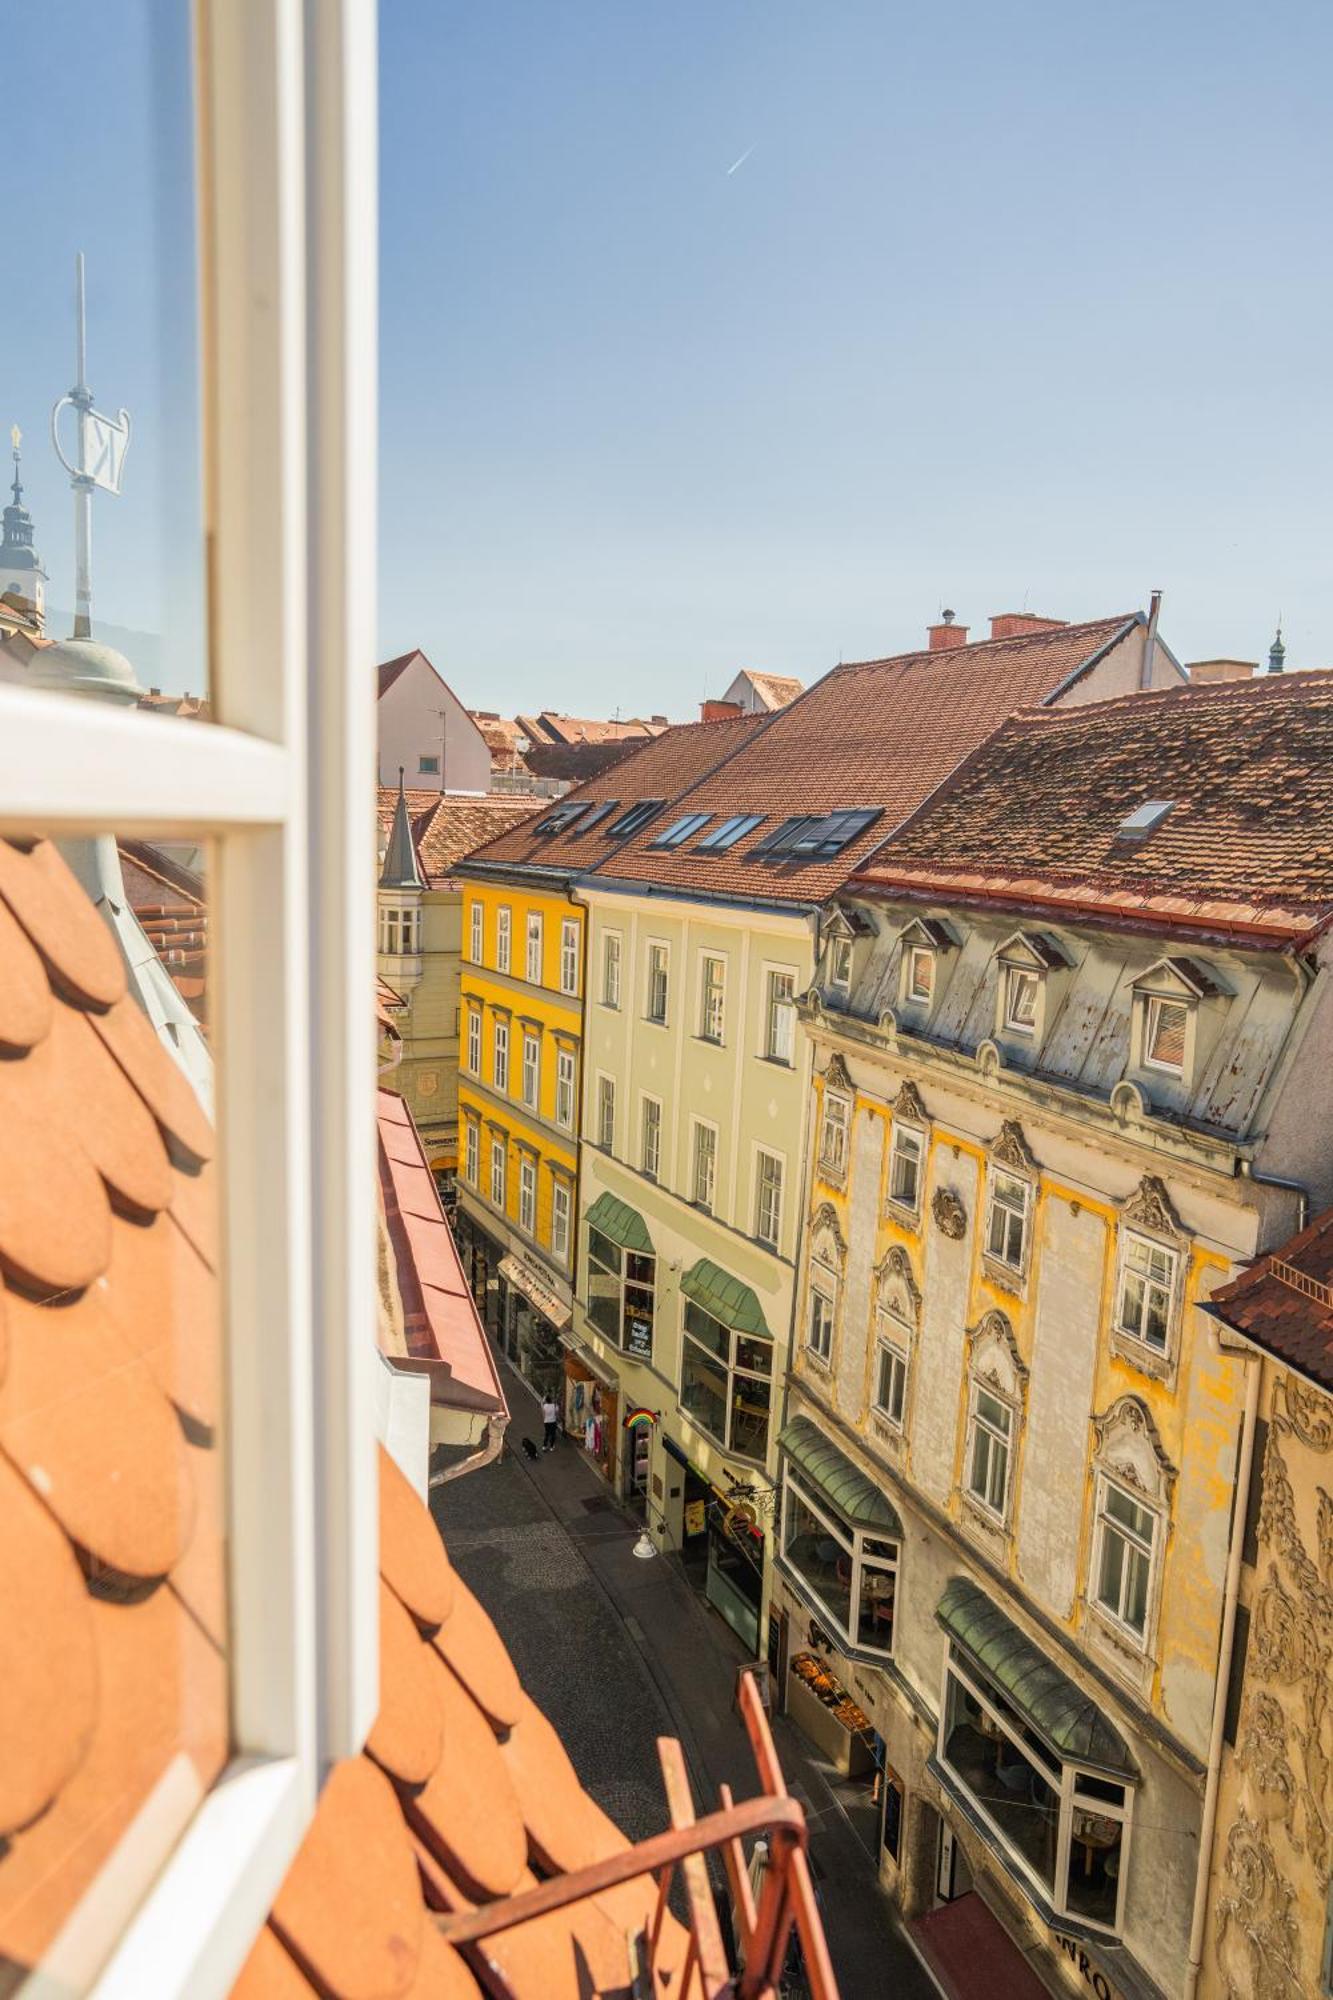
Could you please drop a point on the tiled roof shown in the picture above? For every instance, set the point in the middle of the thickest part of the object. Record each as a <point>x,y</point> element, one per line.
<point>552,727</point>
<point>1037,815</point>
<point>389,670</point>
<point>774,690</point>
<point>168,900</point>
<point>666,767</point>
<point>881,734</point>
<point>441,1328</point>
<point>111,1541</point>
<point>448,825</point>
<point>1284,1302</point>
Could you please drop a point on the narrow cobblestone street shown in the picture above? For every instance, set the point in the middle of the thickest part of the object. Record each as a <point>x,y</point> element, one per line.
<point>618,1651</point>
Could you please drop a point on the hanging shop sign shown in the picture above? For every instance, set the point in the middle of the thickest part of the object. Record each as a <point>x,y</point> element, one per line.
<point>642,1420</point>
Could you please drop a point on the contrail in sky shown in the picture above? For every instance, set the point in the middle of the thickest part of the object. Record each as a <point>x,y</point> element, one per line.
<point>736,164</point>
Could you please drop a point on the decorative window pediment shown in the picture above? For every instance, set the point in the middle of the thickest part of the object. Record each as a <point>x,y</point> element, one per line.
<point>907,1104</point>
<point>836,1075</point>
<point>1179,978</point>
<point>896,1290</point>
<point>994,1357</point>
<point>929,932</point>
<point>1130,1449</point>
<point>845,920</point>
<point>1149,1207</point>
<point>1033,951</point>
<point>827,1242</point>
<point>1011,1149</point>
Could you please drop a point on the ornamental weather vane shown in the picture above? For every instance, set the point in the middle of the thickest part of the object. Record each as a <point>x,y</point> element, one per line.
<point>101,443</point>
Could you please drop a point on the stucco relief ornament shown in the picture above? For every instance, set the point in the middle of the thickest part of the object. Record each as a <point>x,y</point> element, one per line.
<point>1258,1939</point>
<point>836,1075</point>
<point>1130,1445</point>
<point>1011,1149</point>
<point>1149,1207</point>
<point>897,1288</point>
<point>1308,1413</point>
<point>1262,1754</point>
<point>824,1218</point>
<point>995,1355</point>
<point>907,1104</point>
<point>949,1213</point>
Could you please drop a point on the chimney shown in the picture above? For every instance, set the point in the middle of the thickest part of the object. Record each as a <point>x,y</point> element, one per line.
<point>660,718</point>
<point>946,635</point>
<point>1019,624</point>
<point>1208,672</point>
<point>717,711</point>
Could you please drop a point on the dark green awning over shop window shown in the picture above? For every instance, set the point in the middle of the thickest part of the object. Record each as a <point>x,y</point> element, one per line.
<point>855,1497</point>
<point>1057,1708</point>
<point>623,1224</point>
<point>725,1297</point>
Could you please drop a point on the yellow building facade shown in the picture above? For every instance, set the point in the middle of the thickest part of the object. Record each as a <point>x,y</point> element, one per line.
<point>519,1082</point>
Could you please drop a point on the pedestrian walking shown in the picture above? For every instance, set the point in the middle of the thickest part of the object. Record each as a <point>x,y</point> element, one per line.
<point>550,1422</point>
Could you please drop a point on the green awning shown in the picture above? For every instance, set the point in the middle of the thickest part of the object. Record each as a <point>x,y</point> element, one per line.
<point>725,1297</point>
<point>623,1224</point>
<point>1057,1708</point>
<point>855,1497</point>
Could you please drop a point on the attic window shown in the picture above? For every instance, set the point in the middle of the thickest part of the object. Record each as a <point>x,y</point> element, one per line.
<point>728,832</point>
<point>557,820</point>
<point>1140,823</point>
<point>1022,994</point>
<point>596,814</point>
<point>637,816</point>
<point>920,978</point>
<point>817,836</point>
<point>1165,1033</point>
<point>680,830</point>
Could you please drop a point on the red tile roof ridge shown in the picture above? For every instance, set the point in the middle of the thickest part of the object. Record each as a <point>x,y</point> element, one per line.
<point>1283,1301</point>
<point>1053,633</point>
<point>1204,693</point>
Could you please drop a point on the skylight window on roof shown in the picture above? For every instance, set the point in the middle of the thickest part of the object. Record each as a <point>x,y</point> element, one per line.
<point>637,816</point>
<point>728,831</point>
<point>680,830</point>
<point>784,835</point>
<point>596,814</point>
<point>1139,824</point>
<point>558,819</point>
<point>828,836</point>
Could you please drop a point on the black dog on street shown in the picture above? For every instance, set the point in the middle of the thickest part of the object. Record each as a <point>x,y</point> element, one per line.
<point>529,1448</point>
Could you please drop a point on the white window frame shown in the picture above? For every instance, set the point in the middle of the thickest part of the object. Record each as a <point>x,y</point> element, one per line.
<point>1153,1004</point>
<point>560,1219</point>
<point>532,1068</point>
<point>852,1541</point>
<point>471,1152</point>
<point>569,955</point>
<point>566,1087</point>
<point>824,1291</point>
<point>701,1156</point>
<point>833,1158</point>
<point>532,961</point>
<point>840,967</point>
<point>735,1374</point>
<point>1017,979</point>
<point>1132,1240</point>
<point>902,1138</point>
<point>499,1172</point>
<point>527,1193</point>
<point>477,933</point>
<point>994,1206</point>
<point>920,954</point>
<point>650,1156</point>
<point>712,998</point>
<point>287,321</point>
<point>772,1237</point>
<point>892,1340</point>
<point>778,1044</point>
<point>474,1041</point>
<point>504,938</point>
<point>500,1055</point>
<point>612,961</point>
<point>606,1112</point>
<point>1003,1439</point>
<point>656,946</point>
<point>1140,1637</point>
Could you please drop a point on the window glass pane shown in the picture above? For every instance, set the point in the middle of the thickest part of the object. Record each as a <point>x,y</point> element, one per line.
<point>111,570</point>
<point>875,1607</point>
<point>1003,1780</point>
<point>1096,1842</point>
<point>750,1399</point>
<point>709,1332</point>
<point>604,1285</point>
<point>703,1389</point>
<point>819,1558</point>
<point>112,1511</point>
<point>1167,1024</point>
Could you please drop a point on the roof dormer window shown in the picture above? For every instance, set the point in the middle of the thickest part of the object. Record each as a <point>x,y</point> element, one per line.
<point>840,966</point>
<point>1168,1001</point>
<point>920,977</point>
<point>1030,965</point>
<point>1166,1032</point>
<point>1022,999</point>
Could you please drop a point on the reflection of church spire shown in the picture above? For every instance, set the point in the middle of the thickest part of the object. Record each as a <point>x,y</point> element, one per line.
<point>21,572</point>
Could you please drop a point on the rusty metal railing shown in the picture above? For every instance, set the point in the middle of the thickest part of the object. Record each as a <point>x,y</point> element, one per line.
<point>764,1925</point>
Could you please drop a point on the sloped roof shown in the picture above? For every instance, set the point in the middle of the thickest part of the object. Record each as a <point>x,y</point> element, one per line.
<point>1037,815</point>
<point>448,825</point>
<point>1284,1302</point>
<point>552,727</point>
<point>112,1643</point>
<point>773,690</point>
<point>441,1327</point>
<point>168,900</point>
<point>666,767</point>
<point>881,734</point>
<point>390,670</point>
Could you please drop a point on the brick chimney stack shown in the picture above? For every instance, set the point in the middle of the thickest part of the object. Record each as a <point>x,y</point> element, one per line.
<point>717,711</point>
<point>1019,624</point>
<point>946,635</point>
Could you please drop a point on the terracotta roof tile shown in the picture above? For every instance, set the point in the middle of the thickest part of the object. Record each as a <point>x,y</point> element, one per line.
<point>475,1830</point>
<point>163,1299</point>
<point>25,996</point>
<point>1038,812</point>
<point>271,1973</point>
<point>48,902</point>
<point>115,1126</point>
<point>1284,1302</point>
<point>446,826</point>
<point>415,1566</point>
<point>126,1030</point>
<point>407,1738</point>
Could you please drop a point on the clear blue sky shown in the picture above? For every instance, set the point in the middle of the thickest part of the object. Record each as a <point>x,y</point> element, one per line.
<point>1009,303</point>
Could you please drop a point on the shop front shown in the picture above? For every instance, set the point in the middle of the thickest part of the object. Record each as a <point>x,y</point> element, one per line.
<point>533,1317</point>
<point>722,1547</point>
<point>590,1404</point>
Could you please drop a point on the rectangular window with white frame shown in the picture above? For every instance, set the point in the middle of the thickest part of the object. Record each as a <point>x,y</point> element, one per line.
<point>531,1068</point>
<point>1008,1219</point>
<point>703,1190</point>
<point>569,955</point>
<point>768,1177</point>
<point>834,1132</point>
<point>565,1085</point>
<point>907,1163</point>
<point>472,1154</point>
<point>1022,1000</point>
<point>611,943</point>
<point>650,1156</point>
<point>533,967</point>
<point>1123,1557</point>
<point>780,1017</point>
<point>712,997</point>
<point>889,1394</point>
<point>919,975</point>
<point>1145,1294</point>
<point>1166,1034</point>
<point>849,1572</point>
<point>477,933</point>
<point>474,1041</point>
<point>840,968</point>
<point>823,1311</point>
<point>500,1055</point>
<point>990,1451</point>
<point>527,1193</point>
<point>606,1113</point>
<point>658,973</point>
<point>498,1161</point>
<point>560,1207</point>
<point>503,937</point>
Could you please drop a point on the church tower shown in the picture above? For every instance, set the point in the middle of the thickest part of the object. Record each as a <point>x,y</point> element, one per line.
<point>22,577</point>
